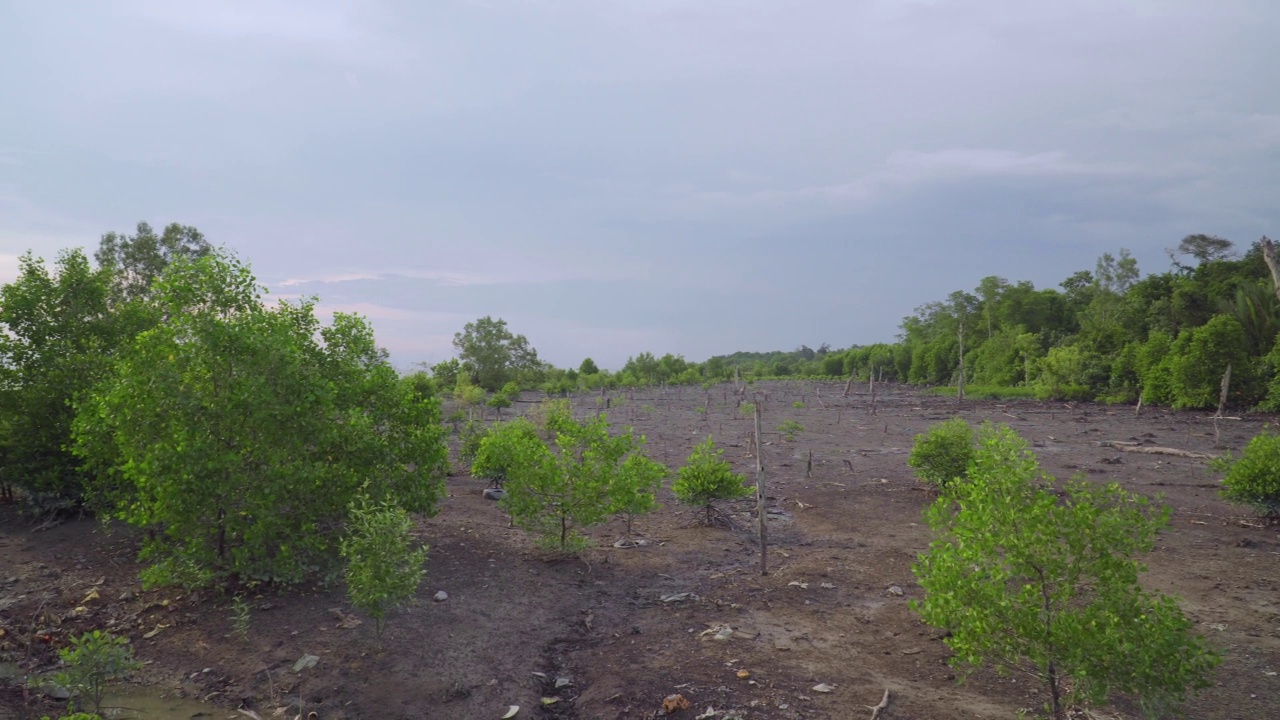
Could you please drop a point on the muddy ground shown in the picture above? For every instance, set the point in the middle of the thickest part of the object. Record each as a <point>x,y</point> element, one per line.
<point>617,625</point>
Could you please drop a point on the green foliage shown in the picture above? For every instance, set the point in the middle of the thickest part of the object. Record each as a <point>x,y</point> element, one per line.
<point>238,433</point>
<point>93,660</point>
<point>1199,357</point>
<point>789,429</point>
<point>496,455</point>
<point>383,567</point>
<point>240,617</point>
<point>634,488</point>
<point>942,454</point>
<point>1068,372</point>
<point>473,434</point>
<point>137,262</point>
<point>588,367</point>
<point>747,409</point>
<point>706,477</point>
<point>492,355</point>
<point>77,716</point>
<point>446,372</point>
<point>1024,581</point>
<point>57,333</point>
<point>799,405</point>
<point>467,394</point>
<point>504,397</point>
<point>587,474</point>
<point>986,392</point>
<point>1253,479</point>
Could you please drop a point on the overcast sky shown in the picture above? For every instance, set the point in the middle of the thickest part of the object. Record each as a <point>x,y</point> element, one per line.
<point>616,176</point>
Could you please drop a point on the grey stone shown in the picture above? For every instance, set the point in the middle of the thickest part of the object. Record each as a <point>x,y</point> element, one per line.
<point>440,596</point>
<point>305,662</point>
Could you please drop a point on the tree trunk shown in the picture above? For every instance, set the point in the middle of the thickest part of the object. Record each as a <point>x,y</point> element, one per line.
<point>760,499</point>
<point>1273,264</point>
<point>960,386</point>
<point>1226,385</point>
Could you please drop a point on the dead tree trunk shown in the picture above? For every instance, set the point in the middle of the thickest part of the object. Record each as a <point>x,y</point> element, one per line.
<point>872,389</point>
<point>960,385</point>
<point>849,385</point>
<point>1273,264</point>
<point>761,511</point>
<point>1222,395</point>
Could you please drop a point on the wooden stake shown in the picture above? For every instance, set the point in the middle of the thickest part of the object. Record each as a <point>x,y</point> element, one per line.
<point>761,512</point>
<point>872,375</point>
<point>808,466</point>
<point>1222,396</point>
<point>849,385</point>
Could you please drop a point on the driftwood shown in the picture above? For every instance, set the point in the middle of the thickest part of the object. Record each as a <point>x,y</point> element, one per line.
<point>1132,447</point>
<point>884,703</point>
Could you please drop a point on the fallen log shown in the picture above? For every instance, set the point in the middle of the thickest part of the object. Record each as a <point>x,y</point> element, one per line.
<point>1129,447</point>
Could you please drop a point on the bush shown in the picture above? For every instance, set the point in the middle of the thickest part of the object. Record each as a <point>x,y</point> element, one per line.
<point>942,454</point>
<point>1026,581</point>
<point>1254,478</point>
<point>1200,356</point>
<point>789,429</point>
<point>93,660</point>
<point>383,568</point>
<point>556,493</point>
<point>706,478</point>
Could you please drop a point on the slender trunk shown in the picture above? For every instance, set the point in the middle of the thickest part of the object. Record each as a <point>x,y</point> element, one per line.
<point>1055,696</point>
<point>760,499</point>
<point>1269,257</point>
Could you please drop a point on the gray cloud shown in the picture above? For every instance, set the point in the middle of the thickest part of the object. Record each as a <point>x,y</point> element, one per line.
<point>693,176</point>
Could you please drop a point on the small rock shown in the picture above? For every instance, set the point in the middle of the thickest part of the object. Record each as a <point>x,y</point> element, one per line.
<point>494,493</point>
<point>55,691</point>
<point>440,596</point>
<point>563,682</point>
<point>127,595</point>
<point>828,586</point>
<point>823,688</point>
<point>305,662</point>
<point>895,591</point>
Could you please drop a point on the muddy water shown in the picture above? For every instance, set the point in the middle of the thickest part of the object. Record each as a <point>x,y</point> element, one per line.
<point>144,704</point>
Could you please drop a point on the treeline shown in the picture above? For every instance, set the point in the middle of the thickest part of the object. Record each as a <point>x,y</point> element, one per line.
<point>1109,335</point>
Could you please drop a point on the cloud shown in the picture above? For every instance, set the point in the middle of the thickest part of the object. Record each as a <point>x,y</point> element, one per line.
<point>904,170</point>
<point>8,268</point>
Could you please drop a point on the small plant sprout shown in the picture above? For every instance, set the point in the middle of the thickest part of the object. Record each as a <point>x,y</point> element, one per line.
<point>789,429</point>
<point>93,660</point>
<point>706,477</point>
<point>383,567</point>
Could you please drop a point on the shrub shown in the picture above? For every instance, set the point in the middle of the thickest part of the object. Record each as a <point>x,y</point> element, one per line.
<point>1025,581</point>
<point>942,454</point>
<point>556,493</point>
<point>383,567</point>
<point>93,660</point>
<point>633,490</point>
<point>789,429</point>
<point>491,450</point>
<point>706,478</point>
<point>1254,478</point>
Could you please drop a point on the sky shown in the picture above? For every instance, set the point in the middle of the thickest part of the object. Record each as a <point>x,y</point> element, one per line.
<point>618,176</point>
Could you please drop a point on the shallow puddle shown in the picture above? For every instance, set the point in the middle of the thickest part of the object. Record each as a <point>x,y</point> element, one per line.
<point>143,704</point>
